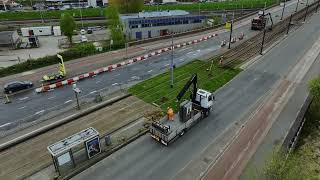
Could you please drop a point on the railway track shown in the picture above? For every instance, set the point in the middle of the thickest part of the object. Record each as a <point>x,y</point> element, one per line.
<point>252,46</point>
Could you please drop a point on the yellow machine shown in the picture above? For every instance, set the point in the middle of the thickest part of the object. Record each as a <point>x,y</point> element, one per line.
<point>62,71</point>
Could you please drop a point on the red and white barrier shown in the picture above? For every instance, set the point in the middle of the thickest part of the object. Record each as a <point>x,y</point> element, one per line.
<point>112,67</point>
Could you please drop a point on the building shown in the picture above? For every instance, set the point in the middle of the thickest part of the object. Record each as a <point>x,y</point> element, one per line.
<point>159,23</point>
<point>77,3</point>
<point>9,39</point>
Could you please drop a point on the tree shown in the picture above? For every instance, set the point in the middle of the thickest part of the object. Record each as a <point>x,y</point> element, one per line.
<point>128,6</point>
<point>67,25</point>
<point>115,25</point>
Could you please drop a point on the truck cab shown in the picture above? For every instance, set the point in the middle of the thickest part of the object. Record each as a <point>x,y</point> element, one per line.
<point>204,98</point>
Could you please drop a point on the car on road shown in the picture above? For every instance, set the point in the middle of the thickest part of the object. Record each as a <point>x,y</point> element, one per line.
<point>17,86</point>
<point>84,38</point>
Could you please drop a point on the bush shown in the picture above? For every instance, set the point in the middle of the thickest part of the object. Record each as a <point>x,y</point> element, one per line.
<point>78,51</point>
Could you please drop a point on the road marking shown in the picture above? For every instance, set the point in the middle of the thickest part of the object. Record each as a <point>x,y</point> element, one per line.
<point>68,101</point>
<point>51,97</point>
<point>22,107</point>
<point>166,65</point>
<point>150,71</point>
<point>92,92</point>
<point>98,82</point>
<point>189,53</point>
<point>116,75</point>
<point>21,99</point>
<point>6,124</point>
<point>39,112</point>
<point>198,50</point>
<point>114,84</point>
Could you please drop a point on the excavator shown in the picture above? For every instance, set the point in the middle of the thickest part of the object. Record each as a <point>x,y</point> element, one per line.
<point>259,22</point>
<point>56,76</point>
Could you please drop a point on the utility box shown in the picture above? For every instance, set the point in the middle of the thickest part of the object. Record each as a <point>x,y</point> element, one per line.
<point>56,31</point>
<point>185,110</point>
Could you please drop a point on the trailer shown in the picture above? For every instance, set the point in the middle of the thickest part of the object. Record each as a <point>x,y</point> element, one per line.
<point>166,130</point>
<point>36,31</point>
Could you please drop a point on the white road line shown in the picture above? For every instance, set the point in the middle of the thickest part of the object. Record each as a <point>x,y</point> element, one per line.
<point>92,92</point>
<point>166,65</point>
<point>116,75</point>
<point>189,52</point>
<point>39,112</point>
<point>68,101</point>
<point>51,97</point>
<point>98,82</point>
<point>22,107</point>
<point>6,124</point>
<point>150,71</point>
<point>114,84</point>
<point>21,99</point>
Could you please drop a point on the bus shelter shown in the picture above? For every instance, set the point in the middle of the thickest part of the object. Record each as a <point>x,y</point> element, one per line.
<point>63,151</point>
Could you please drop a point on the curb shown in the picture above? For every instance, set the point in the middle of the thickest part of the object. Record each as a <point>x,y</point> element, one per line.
<point>58,123</point>
<point>112,67</point>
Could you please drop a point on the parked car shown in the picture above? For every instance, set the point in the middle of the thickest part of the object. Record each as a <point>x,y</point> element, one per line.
<point>17,86</point>
<point>84,38</point>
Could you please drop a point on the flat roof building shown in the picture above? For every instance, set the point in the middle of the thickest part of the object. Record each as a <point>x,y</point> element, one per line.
<point>159,23</point>
<point>9,39</point>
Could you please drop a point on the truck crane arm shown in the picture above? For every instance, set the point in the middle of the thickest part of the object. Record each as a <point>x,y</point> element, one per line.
<point>193,80</point>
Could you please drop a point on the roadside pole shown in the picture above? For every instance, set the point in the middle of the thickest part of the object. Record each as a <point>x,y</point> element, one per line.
<point>80,15</point>
<point>289,24</point>
<point>126,50</point>
<point>284,6</point>
<point>264,34</point>
<point>230,35</point>
<point>76,92</point>
<point>171,62</point>
<point>305,16</point>
<point>297,6</point>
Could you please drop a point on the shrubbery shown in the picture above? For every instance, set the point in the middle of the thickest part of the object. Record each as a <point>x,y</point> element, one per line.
<point>78,51</point>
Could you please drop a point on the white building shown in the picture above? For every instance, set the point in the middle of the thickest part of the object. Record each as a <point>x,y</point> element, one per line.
<point>159,23</point>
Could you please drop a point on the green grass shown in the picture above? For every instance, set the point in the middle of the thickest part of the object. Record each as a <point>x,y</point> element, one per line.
<point>100,11</point>
<point>214,6</point>
<point>50,14</point>
<point>157,89</point>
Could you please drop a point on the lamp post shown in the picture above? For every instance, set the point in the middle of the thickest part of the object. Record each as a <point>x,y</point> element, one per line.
<point>284,6</point>
<point>297,6</point>
<point>229,47</point>
<point>171,62</point>
<point>81,14</point>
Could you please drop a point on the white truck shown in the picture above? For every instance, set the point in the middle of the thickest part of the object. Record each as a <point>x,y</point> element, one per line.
<point>190,112</point>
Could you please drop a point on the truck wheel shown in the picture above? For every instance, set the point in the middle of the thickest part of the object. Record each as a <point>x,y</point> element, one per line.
<point>182,133</point>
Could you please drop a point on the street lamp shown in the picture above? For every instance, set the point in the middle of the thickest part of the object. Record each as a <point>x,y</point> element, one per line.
<point>80,14</point>
<point>284,6</point>
<point>171,62</point>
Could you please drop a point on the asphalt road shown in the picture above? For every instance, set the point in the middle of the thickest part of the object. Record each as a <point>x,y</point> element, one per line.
<point>288,115</point>
<point>147,159</point>
<point>30,106</point>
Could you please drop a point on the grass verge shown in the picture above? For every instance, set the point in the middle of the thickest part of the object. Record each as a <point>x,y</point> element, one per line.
<point>157,89</point>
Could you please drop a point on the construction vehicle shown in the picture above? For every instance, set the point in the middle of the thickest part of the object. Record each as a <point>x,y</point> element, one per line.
<point>259,23</point>
<point>56,76</point>
<point>167,129</point>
